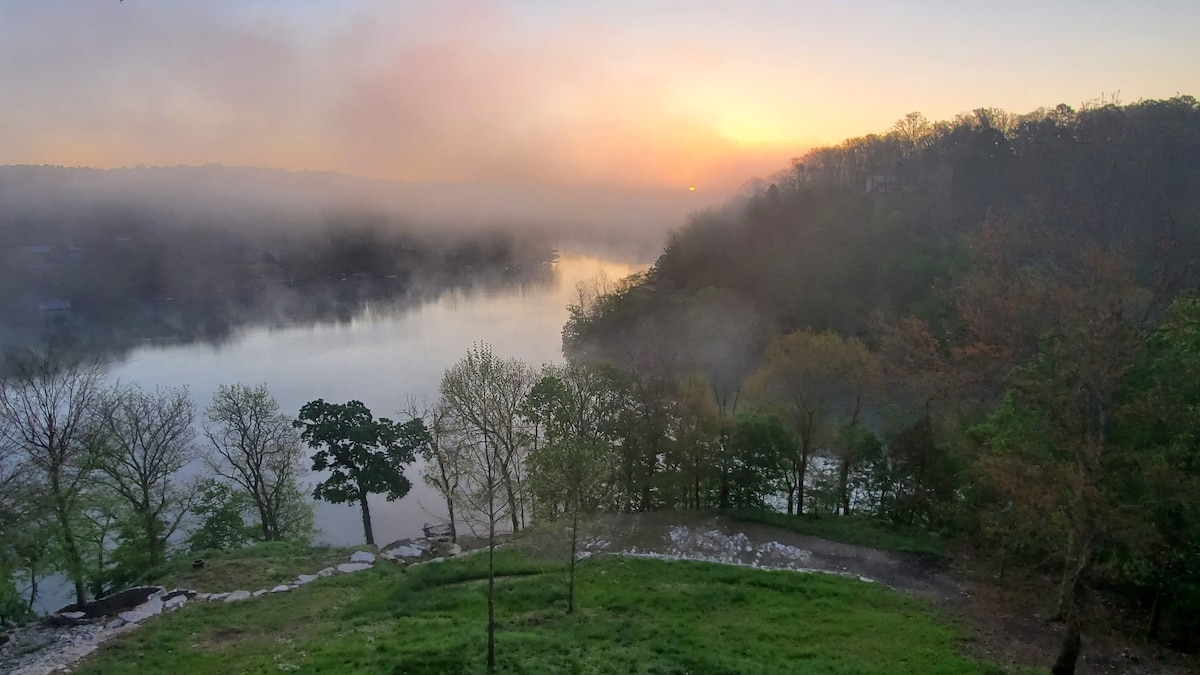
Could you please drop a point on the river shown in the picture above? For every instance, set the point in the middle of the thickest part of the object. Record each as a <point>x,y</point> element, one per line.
<point>382,357</point>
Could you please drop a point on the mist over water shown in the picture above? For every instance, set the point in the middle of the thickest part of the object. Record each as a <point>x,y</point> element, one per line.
<point>383,356</point>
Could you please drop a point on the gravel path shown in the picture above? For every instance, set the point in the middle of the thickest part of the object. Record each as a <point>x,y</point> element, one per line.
<point>683,536</point>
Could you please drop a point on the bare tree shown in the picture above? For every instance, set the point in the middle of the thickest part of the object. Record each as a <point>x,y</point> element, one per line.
<point>45,415</point>
<point>255,447</point>
<point>146,438</point>
<point>484,395</point>
<point>444,454</point>
<point>482,490</point>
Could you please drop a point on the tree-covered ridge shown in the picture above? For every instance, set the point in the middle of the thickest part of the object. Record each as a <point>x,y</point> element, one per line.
<point>891,222</point>
<point>979,326</point>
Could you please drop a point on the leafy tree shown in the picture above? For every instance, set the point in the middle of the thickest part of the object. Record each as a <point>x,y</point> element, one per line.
<point>254,447</point>
<point>364,455</point>
<point>45,412</point>
<point>222,522</point>
<point>1155,476</point>
<point>759,450</point>
<point>816,382</point>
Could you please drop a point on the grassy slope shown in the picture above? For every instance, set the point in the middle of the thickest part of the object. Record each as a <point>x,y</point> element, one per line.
<point>263,565</point>
<point>635,616</point>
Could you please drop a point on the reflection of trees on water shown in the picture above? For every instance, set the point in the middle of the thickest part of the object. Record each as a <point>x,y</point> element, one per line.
<point>114,328</point>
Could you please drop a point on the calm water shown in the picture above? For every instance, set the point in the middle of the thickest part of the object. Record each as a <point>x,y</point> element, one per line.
<point>382,358</point>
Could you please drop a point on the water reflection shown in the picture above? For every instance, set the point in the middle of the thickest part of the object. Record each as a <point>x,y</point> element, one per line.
<point>381,354</point>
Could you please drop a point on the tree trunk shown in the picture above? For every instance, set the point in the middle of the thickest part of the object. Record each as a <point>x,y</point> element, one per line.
<point>491,596</point>
<point>70,547</point>
<point>844,486</point>
<point>453,525</point>
<point>571,572</point>
<point>1068,655</point>
<point>800,483</point>
<point>512,503</point>
<point>366,519</point>
<point>1156,612</point>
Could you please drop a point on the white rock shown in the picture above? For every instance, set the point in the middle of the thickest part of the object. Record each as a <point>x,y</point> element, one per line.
<point>866,579</point>
<point>347,568</point>
<point>73,615</point>
<point>115,623</point>
<point>261,591</point>
<point>201,597</point>
<point>175,602</point>
<point>454,549</point>
<point>305,579</point>
<point>217,597</point>
<point>280,588</point>
<point>405,551</point>
<point>237,595</point>
<point>362,557</point>
<point>143,611</point>
<point>328,571</point>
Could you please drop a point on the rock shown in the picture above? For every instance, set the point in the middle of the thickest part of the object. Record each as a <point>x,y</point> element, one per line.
<point>217,597</point>
<point>201,597</point>
<point>280,588</point>
<point>362,557</point>
<point>261,591</point>
<point>73,615</point>
<point>327,572</point>
<point>405,551</point>
<point>305,579</point>
<point>237,595</point>
<point>175,602</point>
<point>115,623</point>
<point>347,568</point>
<point>453,550</point>
<point>143,611</point>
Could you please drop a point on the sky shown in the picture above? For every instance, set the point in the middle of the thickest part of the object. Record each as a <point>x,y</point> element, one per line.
<point>659,93</point>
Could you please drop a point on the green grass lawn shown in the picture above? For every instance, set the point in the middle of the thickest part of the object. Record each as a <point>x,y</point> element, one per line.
<point>634,616</point>
<point>262,565</point>
<point>851,530</point>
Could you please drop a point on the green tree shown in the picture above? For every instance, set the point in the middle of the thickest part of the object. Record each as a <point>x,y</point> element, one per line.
<point>46,403</point>
<point>364,455</point>
<point>220,510</point>
<point>817,383</point>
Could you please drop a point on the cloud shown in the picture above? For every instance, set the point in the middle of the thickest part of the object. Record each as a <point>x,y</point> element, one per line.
<point>439,91</point>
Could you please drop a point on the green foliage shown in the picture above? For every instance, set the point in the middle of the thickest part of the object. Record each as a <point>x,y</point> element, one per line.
<point>221,511</point>
<point>12,606</point>
<point>758,450</point>
<point>364,455</point>
<point>643,616</point>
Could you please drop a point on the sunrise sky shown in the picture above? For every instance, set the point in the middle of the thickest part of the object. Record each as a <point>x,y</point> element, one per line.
<point>649,93</point>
